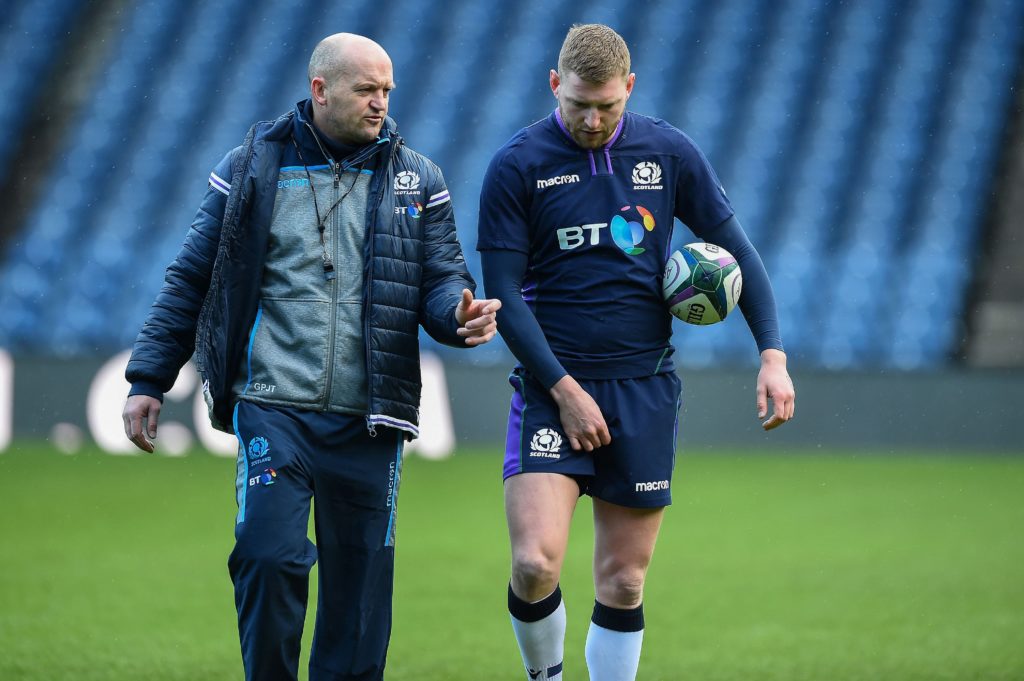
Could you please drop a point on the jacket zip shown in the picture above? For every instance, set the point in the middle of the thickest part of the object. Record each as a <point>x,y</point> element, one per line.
<point>369,287</point>
<point>335,235</point>
<point>336,168</point>
<point>367,282</point>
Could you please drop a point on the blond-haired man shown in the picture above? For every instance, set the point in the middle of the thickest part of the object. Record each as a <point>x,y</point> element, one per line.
<point>575,226</point>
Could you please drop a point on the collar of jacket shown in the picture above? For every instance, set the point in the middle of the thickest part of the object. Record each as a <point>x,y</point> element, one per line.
<point>299,124</point>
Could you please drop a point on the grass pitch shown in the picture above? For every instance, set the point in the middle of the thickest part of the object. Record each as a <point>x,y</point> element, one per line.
<point>841,566</point>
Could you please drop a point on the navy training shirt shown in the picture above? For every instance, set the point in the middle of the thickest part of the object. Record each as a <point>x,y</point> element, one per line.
<point>596,226</point>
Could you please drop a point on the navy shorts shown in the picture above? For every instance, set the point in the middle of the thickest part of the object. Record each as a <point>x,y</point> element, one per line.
<point>634,470</point>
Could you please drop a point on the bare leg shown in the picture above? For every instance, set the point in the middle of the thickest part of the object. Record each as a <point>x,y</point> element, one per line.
<point>539,508</point>
<point>624,540</point>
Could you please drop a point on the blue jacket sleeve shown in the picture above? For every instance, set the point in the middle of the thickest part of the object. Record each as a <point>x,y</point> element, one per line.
<point>503,279</point>
<point>757,302</point>
<point>167,338</point>
<point>444,267</point>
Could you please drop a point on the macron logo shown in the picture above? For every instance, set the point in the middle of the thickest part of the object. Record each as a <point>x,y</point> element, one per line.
<point>651,486</point>
<point>561,179</point>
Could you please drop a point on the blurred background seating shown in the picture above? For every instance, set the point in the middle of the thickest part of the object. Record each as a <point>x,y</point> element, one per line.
<point>861,144</point>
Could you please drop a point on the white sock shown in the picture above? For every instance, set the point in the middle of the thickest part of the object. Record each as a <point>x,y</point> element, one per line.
<point>613,643</point>
<point>540,632</point>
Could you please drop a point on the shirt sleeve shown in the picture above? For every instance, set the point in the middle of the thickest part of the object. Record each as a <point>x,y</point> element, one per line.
<point>503,279</point>
<point>503,222</point>
<point>757,301</point>
<point>701,202</point>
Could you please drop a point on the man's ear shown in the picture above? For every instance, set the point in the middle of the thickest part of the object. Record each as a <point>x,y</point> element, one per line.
<point>317,90</point>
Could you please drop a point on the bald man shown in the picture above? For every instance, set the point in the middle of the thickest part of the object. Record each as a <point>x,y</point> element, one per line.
<point>321,245</point>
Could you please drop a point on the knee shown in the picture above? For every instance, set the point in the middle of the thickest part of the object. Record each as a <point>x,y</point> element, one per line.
<point>257,555</point>
<point>622,587</point>
<point>534,575</point>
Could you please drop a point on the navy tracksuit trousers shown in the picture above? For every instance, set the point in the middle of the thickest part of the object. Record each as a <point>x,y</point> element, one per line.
<point>286,458</point>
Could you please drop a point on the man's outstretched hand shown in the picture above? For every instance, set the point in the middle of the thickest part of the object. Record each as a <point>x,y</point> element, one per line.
<point>477,318</point>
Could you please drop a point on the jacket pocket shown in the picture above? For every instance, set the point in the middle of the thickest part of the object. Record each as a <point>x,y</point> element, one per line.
<point>288,356</point>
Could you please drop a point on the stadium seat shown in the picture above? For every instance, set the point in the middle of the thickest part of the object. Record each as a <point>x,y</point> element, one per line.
<point>30,38</point>
<point>854,139</point>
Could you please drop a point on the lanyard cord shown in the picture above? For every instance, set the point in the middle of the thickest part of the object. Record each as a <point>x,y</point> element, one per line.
<point>321,223</point>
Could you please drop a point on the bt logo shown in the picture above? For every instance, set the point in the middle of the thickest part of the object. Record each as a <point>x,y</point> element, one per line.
<point>414,210</point>
<point>627,234</point>
<point>267,478</point>
<point>571,237</point>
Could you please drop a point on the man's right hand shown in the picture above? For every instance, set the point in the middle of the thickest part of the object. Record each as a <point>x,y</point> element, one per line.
<point>139,409</point>
<point>582,419</point>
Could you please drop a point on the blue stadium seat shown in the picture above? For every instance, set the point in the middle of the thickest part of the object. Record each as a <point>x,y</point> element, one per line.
<point>855,140</point>
<point>30,42</point>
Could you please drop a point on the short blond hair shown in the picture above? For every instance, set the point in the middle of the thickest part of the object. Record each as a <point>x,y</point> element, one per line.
<point>594,52</point>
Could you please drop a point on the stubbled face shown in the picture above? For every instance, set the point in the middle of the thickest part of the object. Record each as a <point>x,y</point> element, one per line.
<point>591,111</point>
<point>354,104</point>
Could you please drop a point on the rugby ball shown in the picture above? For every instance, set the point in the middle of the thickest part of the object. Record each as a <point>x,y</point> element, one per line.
<point>702,283</point>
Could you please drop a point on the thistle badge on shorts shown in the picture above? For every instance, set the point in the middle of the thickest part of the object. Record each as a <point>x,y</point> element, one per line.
<point>545,444</point>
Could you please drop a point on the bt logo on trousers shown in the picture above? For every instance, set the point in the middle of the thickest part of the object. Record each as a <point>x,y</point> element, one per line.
<point>627,234</point>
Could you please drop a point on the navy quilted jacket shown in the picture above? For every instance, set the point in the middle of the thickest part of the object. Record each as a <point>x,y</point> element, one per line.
<point>414,274</point>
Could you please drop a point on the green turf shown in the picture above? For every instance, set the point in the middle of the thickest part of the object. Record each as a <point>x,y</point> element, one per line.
<point>769,567</point>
